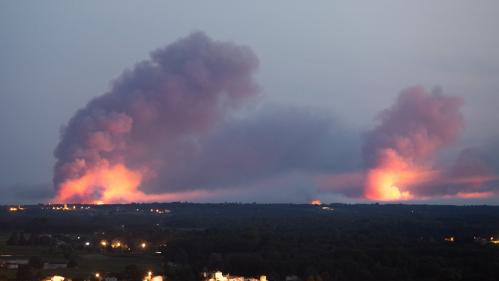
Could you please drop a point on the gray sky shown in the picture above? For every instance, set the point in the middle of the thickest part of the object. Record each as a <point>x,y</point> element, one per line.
<point>351,58</point>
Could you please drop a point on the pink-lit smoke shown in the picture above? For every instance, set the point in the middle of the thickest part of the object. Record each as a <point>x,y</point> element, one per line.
<point>118,141</point>
<point>399,152</point>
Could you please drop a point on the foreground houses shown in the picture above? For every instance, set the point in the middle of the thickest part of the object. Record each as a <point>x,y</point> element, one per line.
<point>218,276</point>
<point>54,278</point>
<point>12,262</point>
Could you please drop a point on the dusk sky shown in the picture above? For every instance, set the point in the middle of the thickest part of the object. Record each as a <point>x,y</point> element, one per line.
<point>305,84</point>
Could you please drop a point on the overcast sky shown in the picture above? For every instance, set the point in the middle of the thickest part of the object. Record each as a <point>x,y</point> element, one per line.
<point>350,58</point>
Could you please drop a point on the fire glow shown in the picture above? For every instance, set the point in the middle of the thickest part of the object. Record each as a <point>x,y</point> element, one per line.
<point>107,183</point>
<point>394,177</point>
<point>316,202</point>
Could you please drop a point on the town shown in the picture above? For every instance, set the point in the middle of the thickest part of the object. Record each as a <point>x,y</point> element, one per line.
<point>239,242</point>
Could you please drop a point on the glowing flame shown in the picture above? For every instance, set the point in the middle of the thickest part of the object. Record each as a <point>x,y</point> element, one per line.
<point>103,183</point>
<point>106,183</point>
<point>392,179</point>
<point>316,202</point>
<point>382,185</point>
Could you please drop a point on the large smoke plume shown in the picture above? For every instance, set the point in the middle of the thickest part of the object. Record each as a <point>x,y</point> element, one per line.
<point>117,142</point>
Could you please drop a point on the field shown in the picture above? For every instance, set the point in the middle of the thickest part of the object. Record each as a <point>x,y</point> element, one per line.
<point>88,263</point>
<point>334,242</point>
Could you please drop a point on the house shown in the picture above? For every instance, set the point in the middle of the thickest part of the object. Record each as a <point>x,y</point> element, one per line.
<point>12,262</point>
<point>55,265</point>
<point>54,278</point>
<point>218,276</point>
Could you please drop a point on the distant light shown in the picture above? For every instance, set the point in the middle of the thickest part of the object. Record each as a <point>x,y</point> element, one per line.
<point>450,239</point>
<point>103,243</point>
<point>143,245</point>
<point>494,241</point>
<point>97,275</point>
<point>16,209</point>
<point>87,244</point>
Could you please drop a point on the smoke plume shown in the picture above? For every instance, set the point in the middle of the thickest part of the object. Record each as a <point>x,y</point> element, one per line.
<point>119,140</point>
<point>399,152</point>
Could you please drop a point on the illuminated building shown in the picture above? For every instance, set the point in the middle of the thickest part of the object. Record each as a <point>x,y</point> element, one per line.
<point>54,278</point>
<point>218,276</point>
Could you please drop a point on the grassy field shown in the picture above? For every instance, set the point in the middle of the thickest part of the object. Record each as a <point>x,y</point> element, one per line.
<point>88,263</point>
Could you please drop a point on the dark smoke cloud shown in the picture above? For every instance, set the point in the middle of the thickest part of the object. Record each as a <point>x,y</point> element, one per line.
<point>270,142</point>
<point>182,92</point>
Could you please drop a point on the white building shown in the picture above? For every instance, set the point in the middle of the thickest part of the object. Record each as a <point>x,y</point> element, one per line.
<point>218,276</point>
<point>54,278</point>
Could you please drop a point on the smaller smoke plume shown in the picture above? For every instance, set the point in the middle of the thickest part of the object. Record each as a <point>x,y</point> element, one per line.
<point>399,152</point>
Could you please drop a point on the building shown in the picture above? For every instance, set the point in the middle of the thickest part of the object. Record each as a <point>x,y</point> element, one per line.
<point>55,265</point>
<point>218,276</point>
<point>54,278</point>
<point>12,262</point>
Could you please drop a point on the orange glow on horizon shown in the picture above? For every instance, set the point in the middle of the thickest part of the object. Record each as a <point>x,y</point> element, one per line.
<point>475,195</point>
<point>105,184</point>
<point>316,202</point>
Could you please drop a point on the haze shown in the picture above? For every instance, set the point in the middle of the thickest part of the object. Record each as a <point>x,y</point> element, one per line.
<point>347,59</point>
